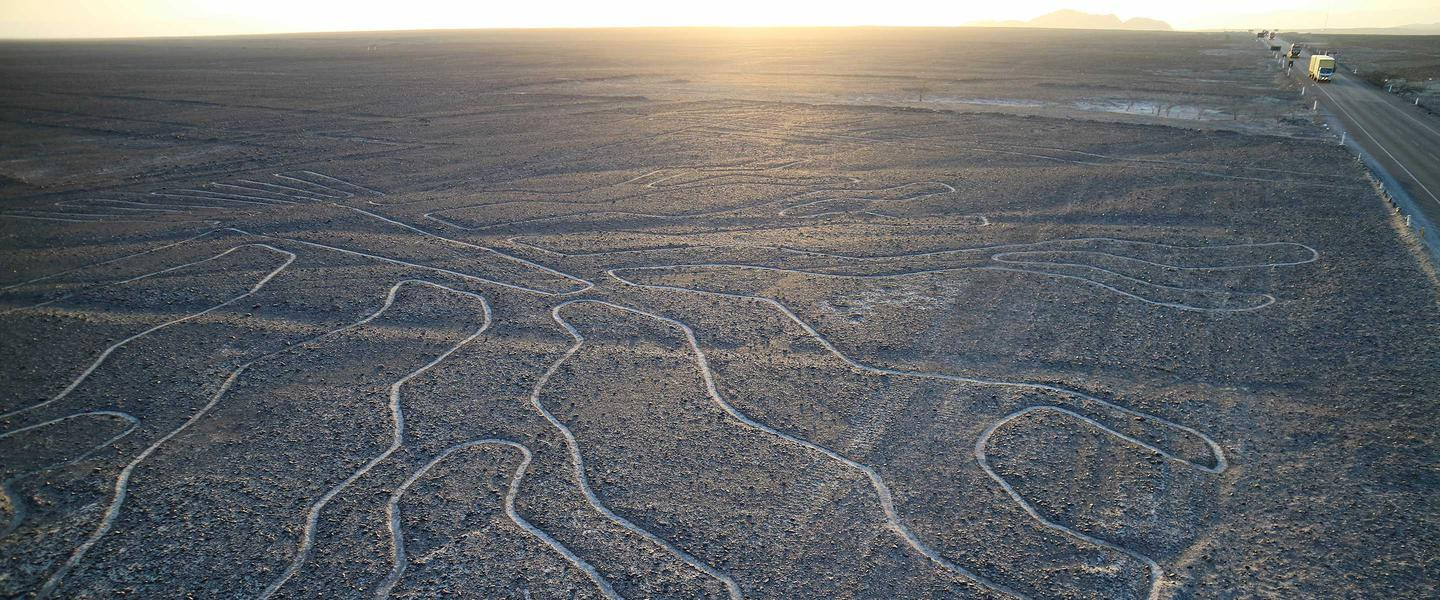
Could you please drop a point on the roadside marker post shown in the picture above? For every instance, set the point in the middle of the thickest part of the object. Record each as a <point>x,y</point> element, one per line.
<point>1342,138</point>
<point>1316,106</point>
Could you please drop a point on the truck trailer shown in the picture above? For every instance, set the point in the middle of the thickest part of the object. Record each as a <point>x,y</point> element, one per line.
<point>1322,67</point>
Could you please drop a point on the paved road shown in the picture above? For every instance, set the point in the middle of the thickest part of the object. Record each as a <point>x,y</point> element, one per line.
<point>1401,138</point>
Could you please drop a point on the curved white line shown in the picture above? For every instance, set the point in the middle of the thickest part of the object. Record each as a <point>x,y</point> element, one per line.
<point>122,483</point>
<point>17,505</point>
<point>397,537</point>
<point>1219,455</point>
<point>106,262</point>
<point>1266,299</point>
<point>395,261</point>
<point>397,438</point>
<point>74,383</point>
<point>1157,574</point>
<point>534,265</point>
<point>578,461</point>
<point>1221,463</point>
<point>785,211</point>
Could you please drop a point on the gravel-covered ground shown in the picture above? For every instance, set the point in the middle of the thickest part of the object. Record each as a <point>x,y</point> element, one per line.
<point>679,314</point>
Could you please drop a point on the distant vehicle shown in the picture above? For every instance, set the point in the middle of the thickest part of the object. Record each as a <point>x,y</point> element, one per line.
<point>1262,34</point>
<point>1322,67</point>
<point>1272,35</point>
<point>1274,48</point>
<point>1295,50</point>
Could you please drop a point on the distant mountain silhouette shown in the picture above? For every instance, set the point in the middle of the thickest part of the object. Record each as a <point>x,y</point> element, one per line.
<point>1074,19</point>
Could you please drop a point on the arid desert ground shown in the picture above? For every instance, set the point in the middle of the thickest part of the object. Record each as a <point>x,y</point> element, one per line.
<point>702,313</point>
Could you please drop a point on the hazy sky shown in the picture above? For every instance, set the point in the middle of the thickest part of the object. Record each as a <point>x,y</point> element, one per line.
<point>124,18</point>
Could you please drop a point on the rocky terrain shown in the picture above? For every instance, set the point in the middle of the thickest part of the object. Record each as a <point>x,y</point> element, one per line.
<point>666,314</point>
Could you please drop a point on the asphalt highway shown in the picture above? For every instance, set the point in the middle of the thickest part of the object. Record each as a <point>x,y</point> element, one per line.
<point>1400,137</point>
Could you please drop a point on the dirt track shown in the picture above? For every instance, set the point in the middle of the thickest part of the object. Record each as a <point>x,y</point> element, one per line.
<point>431,314</point>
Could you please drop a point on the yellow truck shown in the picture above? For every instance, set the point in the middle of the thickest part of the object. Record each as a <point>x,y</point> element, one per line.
<point>1321,67</point>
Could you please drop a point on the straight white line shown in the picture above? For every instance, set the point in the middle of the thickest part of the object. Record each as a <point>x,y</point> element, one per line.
<point>1382,148</point>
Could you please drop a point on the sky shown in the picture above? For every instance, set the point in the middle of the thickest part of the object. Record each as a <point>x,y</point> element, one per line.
<point>144,18</point>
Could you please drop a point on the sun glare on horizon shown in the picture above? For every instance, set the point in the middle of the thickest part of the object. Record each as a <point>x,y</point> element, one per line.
<point>144,18</point>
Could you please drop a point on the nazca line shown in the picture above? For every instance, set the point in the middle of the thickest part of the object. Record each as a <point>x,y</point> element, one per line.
<point>784,212</point>
<point>122,483</point>
<point>579,462</point>
<point>289,258</point>
<point>397,436</point>
<point>106,262</point>
<point>392,509</point>
<point>1156,574</point>
<point>17,506</point>
<point>434,215</point>
<point>395,261</point>
<point>882,490</point>
<point>1009,258</point>
<point>1027,247</point>
<point>463,244</point>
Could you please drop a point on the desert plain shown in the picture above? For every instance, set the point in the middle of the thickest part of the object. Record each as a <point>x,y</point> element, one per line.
<point>856,313</point>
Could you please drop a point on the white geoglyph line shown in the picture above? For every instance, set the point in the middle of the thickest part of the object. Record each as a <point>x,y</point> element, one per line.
<point>1040,247</point>
<point>17,504</point>
<point>40,218</point>
<point>76,217</point>
<point>578,461</point>
<point>235,197</point>
<point>882,490</point>
<point>253,190</point>
<point>191,196</point>
<point>1136,162</point>
<point>1007,258</point>
<point>289,191</point>
<point>1021,247</point>
<point>396,261</point>
<point>361,188</point>
<point>534,265</point>
<point>949,189</point>
<point>435,215</point>
<point>106,262</point>
<point>1265,299</point>
<point>104,203</point>
<point>397,437</point>
<point>397,536</point>
<point>75,383</point>
<point>122,483</point>
<point>100,218</point>
<point>1157,574</point>
<point>338,194</point>
<point>1221,463</point>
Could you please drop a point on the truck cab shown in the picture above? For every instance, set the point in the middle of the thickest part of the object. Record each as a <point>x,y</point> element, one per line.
<point>1322,67</point>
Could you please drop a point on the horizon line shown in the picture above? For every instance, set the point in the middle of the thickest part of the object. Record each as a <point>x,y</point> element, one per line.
<point>622,27</point>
